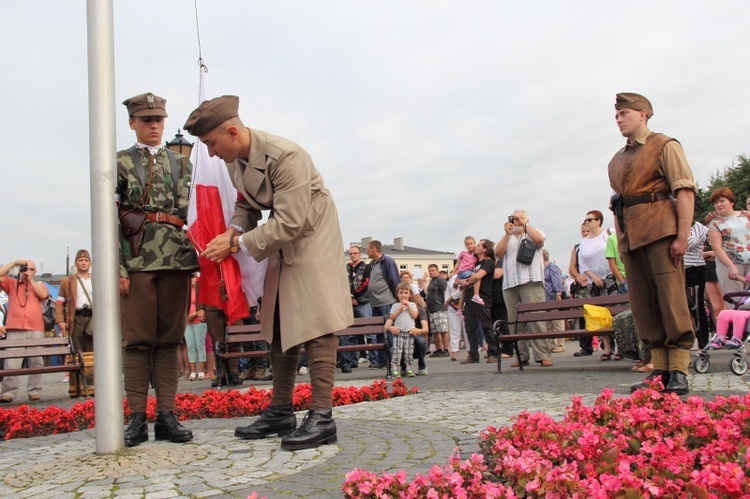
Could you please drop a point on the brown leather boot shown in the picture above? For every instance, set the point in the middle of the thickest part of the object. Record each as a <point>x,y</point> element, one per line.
<point>248,374</point>
<point>260,374</point>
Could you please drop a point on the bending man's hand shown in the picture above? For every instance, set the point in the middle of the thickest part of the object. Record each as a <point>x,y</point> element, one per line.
<point>218,249</point>
<point>124,286</point>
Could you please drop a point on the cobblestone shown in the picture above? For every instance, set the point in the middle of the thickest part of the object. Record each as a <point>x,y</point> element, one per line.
<point>410,433</point>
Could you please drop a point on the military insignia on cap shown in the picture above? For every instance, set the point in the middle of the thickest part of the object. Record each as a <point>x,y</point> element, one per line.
<point>150,100</point>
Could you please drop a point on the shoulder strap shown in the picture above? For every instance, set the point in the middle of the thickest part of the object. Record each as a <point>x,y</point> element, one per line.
<point>175,176</point>
<point>136,156</point>
<point>80,283</point>
<point>174,167</point>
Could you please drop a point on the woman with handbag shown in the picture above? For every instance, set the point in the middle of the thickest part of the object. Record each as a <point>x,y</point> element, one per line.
<point>593,264</point>
<point>521,250</point>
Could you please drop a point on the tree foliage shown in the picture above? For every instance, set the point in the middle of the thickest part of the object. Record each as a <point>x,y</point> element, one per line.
<point>735,176</point>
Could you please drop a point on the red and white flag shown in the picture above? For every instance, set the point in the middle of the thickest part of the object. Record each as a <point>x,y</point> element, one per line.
<point>236,282</point>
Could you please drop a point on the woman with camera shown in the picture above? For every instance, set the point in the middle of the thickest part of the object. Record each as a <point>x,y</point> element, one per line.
<point>521,248</point>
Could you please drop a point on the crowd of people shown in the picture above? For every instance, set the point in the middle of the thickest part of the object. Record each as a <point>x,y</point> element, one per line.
<point>656,251</point>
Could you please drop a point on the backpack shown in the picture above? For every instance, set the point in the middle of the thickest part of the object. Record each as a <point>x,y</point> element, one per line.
<point>48,314</point>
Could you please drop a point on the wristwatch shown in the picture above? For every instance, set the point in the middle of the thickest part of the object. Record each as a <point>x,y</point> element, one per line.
<point>232,247</point>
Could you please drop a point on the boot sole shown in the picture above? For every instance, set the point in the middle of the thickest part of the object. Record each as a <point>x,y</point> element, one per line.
<point>678,392</point>
<point>309,445</point>
<point>260,436</point>
<point>160,436</point>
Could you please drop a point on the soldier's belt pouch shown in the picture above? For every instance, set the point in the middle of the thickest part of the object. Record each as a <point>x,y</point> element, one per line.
<point>131,225</point>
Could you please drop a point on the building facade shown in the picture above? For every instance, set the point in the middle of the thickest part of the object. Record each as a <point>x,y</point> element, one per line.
<point>415,260</point>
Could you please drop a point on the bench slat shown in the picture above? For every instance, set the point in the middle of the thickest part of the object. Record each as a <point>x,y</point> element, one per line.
<point>549,335</point>
<point>553,315</point>
<point>251,333</point>
<point>575,303</point>
<point>39,342</point>
<point>40,370</point>
<point>23,353</point>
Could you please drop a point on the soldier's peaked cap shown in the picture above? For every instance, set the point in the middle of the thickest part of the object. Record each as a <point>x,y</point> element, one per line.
<point>146,104</point>
<point>212,113</point>
<point>637,102</point>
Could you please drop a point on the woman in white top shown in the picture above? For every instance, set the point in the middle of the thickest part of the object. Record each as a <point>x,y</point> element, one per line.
<point>729,235</point>
<point>593,264</point>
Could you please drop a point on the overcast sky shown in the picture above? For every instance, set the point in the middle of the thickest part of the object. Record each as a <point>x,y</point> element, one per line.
<point>430,120</point>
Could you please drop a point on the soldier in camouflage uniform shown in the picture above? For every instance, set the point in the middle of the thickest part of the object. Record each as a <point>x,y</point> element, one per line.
<point>154,269</point>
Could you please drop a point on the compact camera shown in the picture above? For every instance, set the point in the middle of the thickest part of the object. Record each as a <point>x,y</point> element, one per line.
<point>23,268</point>
<point>511,218</point>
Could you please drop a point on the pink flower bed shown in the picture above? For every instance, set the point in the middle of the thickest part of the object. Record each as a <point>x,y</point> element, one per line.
<point>646,445</point>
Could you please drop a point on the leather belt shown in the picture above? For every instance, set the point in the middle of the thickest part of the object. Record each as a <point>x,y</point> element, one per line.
<point>85,312</point>
<point>647,198</point>
<point>165,218</point>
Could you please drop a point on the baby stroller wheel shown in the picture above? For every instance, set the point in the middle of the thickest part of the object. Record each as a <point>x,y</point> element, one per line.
<point>738,365</point>
<point>701,364</point>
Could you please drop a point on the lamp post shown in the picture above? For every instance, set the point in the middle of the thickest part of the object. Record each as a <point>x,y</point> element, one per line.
<point>180,145</point>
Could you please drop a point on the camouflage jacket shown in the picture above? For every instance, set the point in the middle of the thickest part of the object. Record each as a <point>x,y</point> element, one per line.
<point>164,246</point>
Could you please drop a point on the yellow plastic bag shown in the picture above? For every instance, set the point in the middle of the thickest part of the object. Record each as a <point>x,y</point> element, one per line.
<point>597,317</point>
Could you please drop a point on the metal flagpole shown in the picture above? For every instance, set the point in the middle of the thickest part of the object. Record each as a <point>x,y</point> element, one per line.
<point>106,278</point>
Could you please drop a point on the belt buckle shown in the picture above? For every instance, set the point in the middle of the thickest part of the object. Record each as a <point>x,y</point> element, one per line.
<point>159,216</point>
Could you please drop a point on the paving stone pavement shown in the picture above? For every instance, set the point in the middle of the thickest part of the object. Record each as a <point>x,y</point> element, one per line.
<point>411,433</point>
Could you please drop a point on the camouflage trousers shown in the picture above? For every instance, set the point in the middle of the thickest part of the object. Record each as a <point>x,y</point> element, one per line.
<point>628,344</point>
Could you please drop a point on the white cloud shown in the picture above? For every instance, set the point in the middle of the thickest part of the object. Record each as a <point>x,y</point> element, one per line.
<point>428,120</point>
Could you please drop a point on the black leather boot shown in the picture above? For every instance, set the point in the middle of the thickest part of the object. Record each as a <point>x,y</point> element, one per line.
<point>677,383</point>
<point>317,428</point>
<point>233,379</point>
<point>664,375</point>
<point>220,380</point>
<point>137,429</point>
<point>277,419</point>
<point>168,428</point>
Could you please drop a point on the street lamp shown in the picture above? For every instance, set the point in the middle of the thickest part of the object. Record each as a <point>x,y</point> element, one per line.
<point>180,145</point>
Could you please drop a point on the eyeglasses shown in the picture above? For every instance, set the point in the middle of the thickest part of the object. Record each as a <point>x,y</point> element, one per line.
<point>587,220</point>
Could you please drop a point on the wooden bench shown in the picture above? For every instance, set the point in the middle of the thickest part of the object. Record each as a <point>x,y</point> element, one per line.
<point>362,326</point>
<point>41,347</point>
<point>557,310</point>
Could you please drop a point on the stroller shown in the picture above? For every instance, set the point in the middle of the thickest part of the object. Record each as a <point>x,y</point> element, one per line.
<point>738,364</point>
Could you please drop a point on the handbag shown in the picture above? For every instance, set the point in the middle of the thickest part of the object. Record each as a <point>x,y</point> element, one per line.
<point>596,317</point>
<point>131,225</point>
<point>526,250</point>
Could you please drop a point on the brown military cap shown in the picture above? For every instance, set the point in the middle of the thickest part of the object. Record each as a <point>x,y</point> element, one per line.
<point>637,102</point>
<point>212,113</point>
<point>146,104</point>
<point>82,253</point>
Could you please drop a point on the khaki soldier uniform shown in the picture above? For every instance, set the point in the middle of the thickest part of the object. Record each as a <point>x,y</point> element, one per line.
<point>647,173</point>
<point>77,316</point>
<point>304,247</point>
<point>154,313</point>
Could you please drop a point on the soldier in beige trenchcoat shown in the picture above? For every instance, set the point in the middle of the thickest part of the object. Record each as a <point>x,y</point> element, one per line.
<point>306,294</point>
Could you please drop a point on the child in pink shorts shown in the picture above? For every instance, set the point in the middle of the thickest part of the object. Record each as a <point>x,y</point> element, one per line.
<point>738,319</point>
<point>464,267</point>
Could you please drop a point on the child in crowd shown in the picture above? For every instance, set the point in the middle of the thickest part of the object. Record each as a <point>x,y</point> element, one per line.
<point>738,319</point>
<point>464,267</point>
<point>403,314</point>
